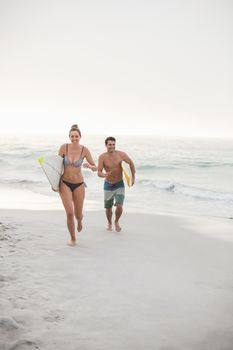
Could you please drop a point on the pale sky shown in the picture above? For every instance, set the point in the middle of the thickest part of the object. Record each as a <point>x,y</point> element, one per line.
<point>117,67</point>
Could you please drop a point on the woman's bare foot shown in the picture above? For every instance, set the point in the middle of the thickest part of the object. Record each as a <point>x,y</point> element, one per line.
<point>71,243</point>
<point>117,227</point>
<point>109,227</point>
<point>80,226</point>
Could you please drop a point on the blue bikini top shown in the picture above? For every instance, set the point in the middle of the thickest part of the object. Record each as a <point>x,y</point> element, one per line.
<point>77,163</point>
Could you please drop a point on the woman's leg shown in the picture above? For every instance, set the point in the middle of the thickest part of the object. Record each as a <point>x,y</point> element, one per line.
<point>78,200</point>
<point>66,196</point>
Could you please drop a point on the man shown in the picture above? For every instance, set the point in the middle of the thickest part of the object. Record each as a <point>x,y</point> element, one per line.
<point>114,189</point>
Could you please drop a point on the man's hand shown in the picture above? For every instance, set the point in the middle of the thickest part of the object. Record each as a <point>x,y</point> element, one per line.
<point>133,180</point>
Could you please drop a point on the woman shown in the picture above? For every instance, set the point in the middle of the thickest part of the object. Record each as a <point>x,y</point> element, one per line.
<point>72,186</point>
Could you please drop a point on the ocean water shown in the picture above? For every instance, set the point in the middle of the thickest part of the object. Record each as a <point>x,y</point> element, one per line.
<point>173,175</point>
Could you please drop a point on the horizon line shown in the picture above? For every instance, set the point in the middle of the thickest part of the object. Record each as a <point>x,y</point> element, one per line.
<point>46,134</point>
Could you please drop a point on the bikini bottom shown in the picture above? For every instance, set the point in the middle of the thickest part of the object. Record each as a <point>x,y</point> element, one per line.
<point>72,186</point>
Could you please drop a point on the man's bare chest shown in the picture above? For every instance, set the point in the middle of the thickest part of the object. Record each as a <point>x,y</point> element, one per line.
<point>113,162</point>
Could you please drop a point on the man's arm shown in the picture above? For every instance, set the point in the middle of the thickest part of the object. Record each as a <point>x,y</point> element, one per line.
<point>128,160</point>
<point>101,167</point>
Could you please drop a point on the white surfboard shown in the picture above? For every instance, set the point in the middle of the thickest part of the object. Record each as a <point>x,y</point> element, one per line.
<point>126,173</point>
<point>53,168</point>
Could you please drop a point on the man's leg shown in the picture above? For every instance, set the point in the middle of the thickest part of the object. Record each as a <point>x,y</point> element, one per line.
<point>109,218</point>
<point>119,200</point>
<point>108,204</point>
<point>118,213</point>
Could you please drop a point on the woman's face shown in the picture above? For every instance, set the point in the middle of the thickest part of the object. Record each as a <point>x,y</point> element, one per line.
<point>74,136</point>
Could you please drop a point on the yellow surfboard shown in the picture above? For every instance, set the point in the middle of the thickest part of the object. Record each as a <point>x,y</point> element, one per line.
<point>126,173</point>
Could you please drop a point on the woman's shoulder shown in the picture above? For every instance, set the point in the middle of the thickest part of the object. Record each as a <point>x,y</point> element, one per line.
<point>63,149</point>
<point>64,145</point>
<point>84,148</point>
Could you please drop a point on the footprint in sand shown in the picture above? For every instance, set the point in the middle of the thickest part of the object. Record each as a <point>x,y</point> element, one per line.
<point>24,344</point>
<point>19,302</point>
<point>4,236</point>
<point>8,324</point>
<point>6,233</point>
<point>4,278</point>
<point>53,316</point>
<point>4,304</point>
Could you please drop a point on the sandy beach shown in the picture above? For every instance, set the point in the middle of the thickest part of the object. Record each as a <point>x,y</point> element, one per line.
<point>163,283</point>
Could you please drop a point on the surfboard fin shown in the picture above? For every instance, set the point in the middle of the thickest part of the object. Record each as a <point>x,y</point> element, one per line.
<point>41,160</point>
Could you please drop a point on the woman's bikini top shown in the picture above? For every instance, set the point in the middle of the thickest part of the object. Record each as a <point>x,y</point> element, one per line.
<point>77,163</point>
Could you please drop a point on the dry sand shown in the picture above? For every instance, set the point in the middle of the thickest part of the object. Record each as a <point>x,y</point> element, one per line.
<point>163,283</point>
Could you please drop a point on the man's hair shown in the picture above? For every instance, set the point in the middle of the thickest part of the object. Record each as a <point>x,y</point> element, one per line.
<point>110,138</point>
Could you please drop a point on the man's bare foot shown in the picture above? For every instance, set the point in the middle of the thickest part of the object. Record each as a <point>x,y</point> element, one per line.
<point>109,227</point>
<point>80,226</point>
<point>117,227</point>
<point>71,243</point>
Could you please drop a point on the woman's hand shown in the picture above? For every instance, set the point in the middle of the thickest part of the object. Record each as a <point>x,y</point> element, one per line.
<point>89,166</point>
<point>86,165</point>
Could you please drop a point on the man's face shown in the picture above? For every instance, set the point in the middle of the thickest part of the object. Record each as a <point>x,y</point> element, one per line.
<point>111,146</point>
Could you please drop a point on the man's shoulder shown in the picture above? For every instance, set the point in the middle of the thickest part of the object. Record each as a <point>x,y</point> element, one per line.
<point>120,153</point>
<point>103,155</point>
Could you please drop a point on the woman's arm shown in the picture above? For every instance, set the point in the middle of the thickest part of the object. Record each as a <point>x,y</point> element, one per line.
<point>90,162</point>
<point>62,151</point>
